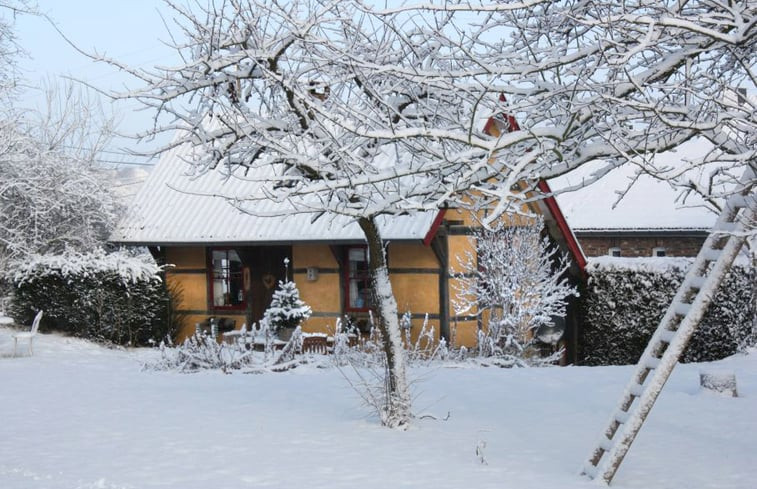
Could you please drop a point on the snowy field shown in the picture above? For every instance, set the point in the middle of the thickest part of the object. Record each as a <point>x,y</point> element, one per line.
<point>76,415</point>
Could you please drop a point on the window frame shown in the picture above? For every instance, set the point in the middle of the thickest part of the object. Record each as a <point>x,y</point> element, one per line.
<point>613,250</point>
<point>347,276</point>
<point>211,274</point>
<point>659,249</point>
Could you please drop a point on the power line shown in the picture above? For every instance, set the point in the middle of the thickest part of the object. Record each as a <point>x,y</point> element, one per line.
<point>111,151</point>
<point>129,163</point>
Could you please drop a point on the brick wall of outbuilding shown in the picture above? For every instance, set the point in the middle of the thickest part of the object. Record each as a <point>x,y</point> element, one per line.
<point>632,246</point>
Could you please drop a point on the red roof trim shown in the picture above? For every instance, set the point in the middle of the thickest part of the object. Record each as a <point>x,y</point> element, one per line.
<point>434,227</point>
<point>562,224</point>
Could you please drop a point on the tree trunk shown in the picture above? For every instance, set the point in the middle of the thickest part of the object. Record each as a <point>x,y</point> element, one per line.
<point>396,412</point>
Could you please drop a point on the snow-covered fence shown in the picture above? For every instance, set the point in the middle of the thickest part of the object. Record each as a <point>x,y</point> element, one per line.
<point>115,297</point>
<point>625,299</point>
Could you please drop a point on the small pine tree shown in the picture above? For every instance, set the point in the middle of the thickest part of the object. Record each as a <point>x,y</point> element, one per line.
<point>287,310</point>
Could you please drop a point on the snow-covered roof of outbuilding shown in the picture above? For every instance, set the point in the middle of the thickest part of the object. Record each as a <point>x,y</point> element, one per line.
<point>650,204</point>
<point>175,207</point>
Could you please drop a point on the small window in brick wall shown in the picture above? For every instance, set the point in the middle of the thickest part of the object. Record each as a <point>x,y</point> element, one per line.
<point>614,251</point>
<point>658,252</point>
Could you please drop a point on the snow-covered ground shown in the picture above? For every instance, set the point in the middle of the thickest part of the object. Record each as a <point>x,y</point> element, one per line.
<point>76,415</point>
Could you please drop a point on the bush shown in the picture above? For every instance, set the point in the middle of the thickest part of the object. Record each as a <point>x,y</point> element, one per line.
<point>626,298</point>
<point>116,297</point>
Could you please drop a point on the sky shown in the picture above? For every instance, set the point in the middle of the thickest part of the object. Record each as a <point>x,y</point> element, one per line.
<point>131,31</point>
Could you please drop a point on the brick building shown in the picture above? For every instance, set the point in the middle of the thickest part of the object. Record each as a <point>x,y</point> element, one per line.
<point>649,220</point>
<point>641,242</point>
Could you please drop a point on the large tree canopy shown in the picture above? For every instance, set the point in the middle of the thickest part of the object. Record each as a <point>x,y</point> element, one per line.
<point>337,107</point>
<point>52,194</point>
<point>372,112</point>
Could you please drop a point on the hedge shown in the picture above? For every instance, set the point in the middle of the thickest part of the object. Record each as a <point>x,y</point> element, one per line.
<point>117,297</point>
<point>626,298</point>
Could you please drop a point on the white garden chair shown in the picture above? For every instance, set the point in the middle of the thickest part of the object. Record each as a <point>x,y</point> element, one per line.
<point>27,335</point>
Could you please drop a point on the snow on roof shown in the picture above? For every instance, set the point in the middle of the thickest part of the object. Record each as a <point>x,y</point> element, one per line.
<point>647,264</point>
<point>654,264</point>
<point>173,207</point>
<point>650,205</point>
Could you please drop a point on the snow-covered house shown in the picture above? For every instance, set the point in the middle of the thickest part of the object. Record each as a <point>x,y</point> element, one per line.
<point>227,263</point>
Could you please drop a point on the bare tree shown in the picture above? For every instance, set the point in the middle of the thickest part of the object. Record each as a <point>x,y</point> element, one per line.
<point>608,84</point>
<point>518,278</point>
<point>288,95</point>
<point>10,50</point>
<point>53,195</point>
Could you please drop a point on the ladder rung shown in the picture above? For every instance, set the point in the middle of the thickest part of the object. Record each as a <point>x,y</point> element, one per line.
<point>697,282</point>
<point>636,389</point>
<point>590,471</point>
<point>681,308</point>
<point>605,443</point>
<point>667,335</point>
<point>726,227</point>
<point>620,416</point>
<point>736,201</point>
<point>711,255</point>
<point>652,362</point>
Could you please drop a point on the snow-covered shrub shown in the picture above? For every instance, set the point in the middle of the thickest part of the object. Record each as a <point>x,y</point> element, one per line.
<point>204,352</point>
<point>423,348</point>
<point>287,310</point>
<point>201,352</point>
<point>117,297</point>
<point>626,298</point>
<point>515,280</point>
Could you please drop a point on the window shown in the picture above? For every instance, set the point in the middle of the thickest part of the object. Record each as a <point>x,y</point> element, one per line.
<point>358,280</point>
<point>658,252</point>
<point>614,251</point>
<point>227,280</point>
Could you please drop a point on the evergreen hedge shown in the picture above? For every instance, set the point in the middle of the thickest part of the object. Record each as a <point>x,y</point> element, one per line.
<point>626,298</point>
<point>116,298</point>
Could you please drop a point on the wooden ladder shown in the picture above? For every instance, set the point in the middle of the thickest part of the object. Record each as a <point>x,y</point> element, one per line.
<point>673,333</point>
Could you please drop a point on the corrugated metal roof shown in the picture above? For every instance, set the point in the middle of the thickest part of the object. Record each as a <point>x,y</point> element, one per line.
<point>174,207</point>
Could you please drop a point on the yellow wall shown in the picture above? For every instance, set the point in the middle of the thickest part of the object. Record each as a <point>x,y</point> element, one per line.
<point>192,288</point>
<point>323,294</point>
<point>417,293</point>
<point>411,255</point>
<point>414,274</point>
<point>464,333</point>
<point>313,256</point>
<point>186,257</point>
<point>187,275</point>
<point>461,249</point>
<point>458,247</point>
